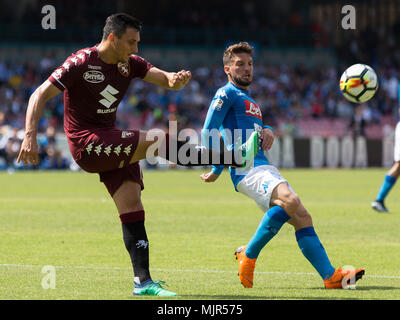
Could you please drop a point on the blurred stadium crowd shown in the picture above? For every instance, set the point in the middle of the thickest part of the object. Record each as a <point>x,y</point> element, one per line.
<point>297,100</point>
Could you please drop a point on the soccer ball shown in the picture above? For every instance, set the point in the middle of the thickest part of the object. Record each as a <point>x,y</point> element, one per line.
<point>358,83</point>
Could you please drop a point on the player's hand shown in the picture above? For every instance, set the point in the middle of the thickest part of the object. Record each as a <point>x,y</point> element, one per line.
<point>209,177</point>
<point>179,79</point>
<point>267,137</point>
<point>29,151</point>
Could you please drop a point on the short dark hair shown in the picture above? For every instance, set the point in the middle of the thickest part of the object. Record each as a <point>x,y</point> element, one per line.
<point>241,47</point>
<point>117,24</point>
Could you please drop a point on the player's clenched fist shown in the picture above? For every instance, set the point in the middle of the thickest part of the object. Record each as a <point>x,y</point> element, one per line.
<point>179,79</point>
<point>267,137</point>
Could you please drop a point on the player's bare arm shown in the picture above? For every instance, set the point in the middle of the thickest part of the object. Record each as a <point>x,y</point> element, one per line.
<point>29,148</point>
<point>168,80</point>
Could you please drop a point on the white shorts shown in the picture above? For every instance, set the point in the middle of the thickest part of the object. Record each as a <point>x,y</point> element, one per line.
<point>396,157</point>
<point>259,184</point>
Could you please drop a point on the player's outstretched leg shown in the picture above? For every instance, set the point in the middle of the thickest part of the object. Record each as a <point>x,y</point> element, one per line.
<point>315,253</point>
<point>186,154</point>
<point>308,241</point>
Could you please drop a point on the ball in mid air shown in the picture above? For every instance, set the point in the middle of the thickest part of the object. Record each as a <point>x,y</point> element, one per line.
<point>359,83</point>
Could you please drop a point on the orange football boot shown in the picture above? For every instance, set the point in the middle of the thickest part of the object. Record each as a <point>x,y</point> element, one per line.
<point>246,267</point>
<point>338,281</point>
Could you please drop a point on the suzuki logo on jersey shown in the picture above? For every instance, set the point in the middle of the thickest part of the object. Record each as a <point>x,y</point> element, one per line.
<point>109,98</point>
<point>252,109</point>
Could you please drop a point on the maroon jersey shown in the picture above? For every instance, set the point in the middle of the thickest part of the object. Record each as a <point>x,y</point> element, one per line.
<point>93,89</point>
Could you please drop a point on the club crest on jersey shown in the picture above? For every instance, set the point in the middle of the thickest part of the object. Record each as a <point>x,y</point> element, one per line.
<point>252,109</point>
<point>94,76</point>
<point>124,69</point>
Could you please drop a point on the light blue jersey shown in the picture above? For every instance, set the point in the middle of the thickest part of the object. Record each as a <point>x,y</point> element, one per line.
<point>231,109</point>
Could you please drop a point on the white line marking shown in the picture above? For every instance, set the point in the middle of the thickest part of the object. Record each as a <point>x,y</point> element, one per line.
<point>188,271</point>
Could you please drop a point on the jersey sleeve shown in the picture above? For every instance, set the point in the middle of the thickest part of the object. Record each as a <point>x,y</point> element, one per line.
<point>64,76</point>
<point>217,111</point>
<point>140,66</point>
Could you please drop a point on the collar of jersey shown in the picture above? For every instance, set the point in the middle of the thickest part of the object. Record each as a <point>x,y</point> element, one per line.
<point>238,87</point>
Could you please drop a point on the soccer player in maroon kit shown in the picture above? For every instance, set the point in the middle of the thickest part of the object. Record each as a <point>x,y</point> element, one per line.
<point>94,81</point>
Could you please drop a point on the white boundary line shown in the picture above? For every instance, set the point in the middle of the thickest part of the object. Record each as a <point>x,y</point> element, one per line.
<point>188,271</point>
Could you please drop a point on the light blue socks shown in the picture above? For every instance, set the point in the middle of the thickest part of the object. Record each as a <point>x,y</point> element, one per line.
<point>314,252</point>
<point>387,185</point>
<point>269,226</point>
<point>306,238</point>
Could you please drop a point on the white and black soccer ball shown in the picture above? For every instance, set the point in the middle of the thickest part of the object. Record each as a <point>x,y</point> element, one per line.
<point>359,83</point>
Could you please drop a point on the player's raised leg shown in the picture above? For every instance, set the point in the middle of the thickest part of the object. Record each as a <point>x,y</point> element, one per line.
<point>158,143</point>
<point>131,212</point>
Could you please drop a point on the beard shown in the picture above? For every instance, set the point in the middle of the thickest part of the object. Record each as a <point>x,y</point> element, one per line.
<point>240,82</point>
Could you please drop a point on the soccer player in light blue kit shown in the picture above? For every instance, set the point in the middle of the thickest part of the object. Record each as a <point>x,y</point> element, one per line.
<point>233,109</point>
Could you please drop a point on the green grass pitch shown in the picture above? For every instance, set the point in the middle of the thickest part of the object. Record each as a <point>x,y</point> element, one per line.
<point>67,220</point>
